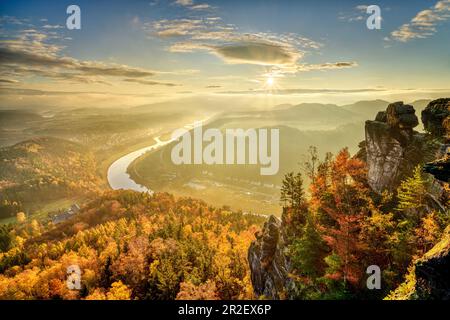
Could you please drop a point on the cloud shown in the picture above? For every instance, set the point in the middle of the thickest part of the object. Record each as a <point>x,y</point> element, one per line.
<point>255,52</point>
<point>283,70</point>
<point>258,53</point>
<point>202,6</point>
<point>9,81</point>
<point>327,66</point>
<point>152,83</point>
<point>357,14</point>
<point>34,53</point>
<point>424,24</point>
<point>35,92</point>
<point>12,20</point>
<point>212,30</point>
<point>282,52</point>
<point>9,56</point>
<point>304,91</point>
<point>190,5</point>
<point>50,73</point>
<point>184,2</point>
<point>38,92</point>
<point>226,41</point>
<point>99,68</point>
<point>176,28</point>
<point>32,40</point>
<point>55,26</point>
<point>362,7</point>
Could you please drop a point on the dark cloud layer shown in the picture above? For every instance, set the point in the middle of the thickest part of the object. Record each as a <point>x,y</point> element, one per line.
<point>26,58</point>
<point>152,83</point>
<point>258,53</point>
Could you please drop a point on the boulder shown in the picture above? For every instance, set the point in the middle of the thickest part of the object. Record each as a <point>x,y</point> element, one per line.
<point>436,118</point>
<point>381,116</point>
<point>401,116</point>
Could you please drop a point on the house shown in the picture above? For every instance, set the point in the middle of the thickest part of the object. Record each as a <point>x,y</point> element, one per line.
<point>69,213</point>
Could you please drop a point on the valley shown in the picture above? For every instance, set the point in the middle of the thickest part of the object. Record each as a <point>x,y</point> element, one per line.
<point>58,192</point>
<point>126,158</point>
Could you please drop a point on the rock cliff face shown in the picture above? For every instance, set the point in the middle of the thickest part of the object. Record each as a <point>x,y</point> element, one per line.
<point>394,149</point>
<point>384,155</point>
<point>268,264</point>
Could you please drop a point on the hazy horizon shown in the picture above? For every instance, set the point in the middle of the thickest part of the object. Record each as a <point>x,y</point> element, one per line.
<point>145,52</point>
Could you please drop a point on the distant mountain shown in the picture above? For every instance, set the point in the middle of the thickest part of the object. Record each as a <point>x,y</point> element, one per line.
<point>304,116</point>
<point>12,118</point>
<point>197,105</point>
<point>314,112</point>
<point>368,109</point>
<point>419,105</point>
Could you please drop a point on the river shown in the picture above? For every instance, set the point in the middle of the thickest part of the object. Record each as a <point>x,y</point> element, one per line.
<point>118,177</point>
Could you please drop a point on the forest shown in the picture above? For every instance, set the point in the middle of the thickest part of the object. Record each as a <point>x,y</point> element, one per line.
<point>131,245</point>
<point>41,170</point>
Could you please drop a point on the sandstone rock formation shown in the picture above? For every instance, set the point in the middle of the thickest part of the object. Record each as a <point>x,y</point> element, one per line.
<point>381,116</point>
<point>401,116</point>
<point>393,148</point>
<point>384,155</point>
<point>436,117</point>
<point>268,264</point>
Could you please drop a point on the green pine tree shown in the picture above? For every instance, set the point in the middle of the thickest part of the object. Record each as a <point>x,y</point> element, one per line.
<point>292,193</point>
<point>309,251</point>
<point>412,192</point>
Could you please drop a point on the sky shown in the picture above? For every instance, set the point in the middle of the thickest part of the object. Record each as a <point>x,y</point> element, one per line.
<point>135,52</point>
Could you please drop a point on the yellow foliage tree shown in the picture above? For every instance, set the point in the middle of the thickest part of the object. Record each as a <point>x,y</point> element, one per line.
<point>118,291</point>
<point>21,217</point>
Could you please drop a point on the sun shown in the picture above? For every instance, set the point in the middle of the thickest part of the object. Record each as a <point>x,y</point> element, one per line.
<point>270,82</point>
